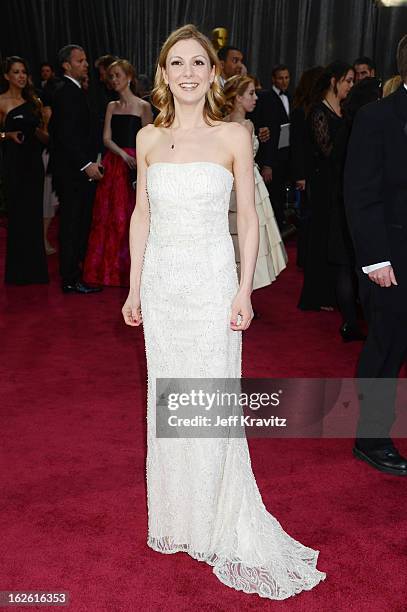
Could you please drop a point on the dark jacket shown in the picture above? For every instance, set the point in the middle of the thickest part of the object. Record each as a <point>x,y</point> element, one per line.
<point>72,134</point>
<point>269,112</point>
<point>375,187</point>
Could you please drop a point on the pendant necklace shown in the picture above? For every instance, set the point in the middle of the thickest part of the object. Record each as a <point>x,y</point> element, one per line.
<point>331,107</point>
<point>172,139</point>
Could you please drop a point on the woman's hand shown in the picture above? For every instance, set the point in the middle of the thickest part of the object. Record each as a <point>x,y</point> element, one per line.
<point>130,161</point>
<point>132,310</point>
<point>17,137</point>
<point>242,312</point>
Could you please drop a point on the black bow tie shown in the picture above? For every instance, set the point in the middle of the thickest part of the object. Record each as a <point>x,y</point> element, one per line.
<point>282,93</point>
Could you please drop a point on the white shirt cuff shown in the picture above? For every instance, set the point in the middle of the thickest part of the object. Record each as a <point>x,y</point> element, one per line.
<point>84,167</point>
<point>373,267</point>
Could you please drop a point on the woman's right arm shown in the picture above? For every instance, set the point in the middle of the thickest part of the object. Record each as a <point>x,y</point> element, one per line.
<point>139,230</point>
<point>320,132</point>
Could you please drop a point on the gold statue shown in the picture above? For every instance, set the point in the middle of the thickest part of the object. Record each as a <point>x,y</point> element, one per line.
<point>219,38</point>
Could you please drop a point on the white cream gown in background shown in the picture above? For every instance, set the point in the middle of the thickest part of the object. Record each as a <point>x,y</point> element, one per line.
<point>202,495</point>
<point>272,257</point>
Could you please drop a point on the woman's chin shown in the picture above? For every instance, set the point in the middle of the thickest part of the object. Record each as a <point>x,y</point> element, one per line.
<point>192,98</point>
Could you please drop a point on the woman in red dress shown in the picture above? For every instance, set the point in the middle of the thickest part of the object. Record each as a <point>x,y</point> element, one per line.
<point>108,259</point>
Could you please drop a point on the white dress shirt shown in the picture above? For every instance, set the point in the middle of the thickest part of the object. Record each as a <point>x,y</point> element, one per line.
<point>284,99</point>
<point>73,80</point>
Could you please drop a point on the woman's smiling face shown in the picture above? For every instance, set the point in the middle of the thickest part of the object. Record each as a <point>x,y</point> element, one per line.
<point>188,71</point>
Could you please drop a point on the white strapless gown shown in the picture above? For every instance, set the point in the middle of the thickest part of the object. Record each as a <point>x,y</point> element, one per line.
<point>202,495</point>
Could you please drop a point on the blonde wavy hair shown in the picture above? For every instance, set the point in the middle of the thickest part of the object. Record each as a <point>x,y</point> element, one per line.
<point>162,97</point>
<point>391,85</point>
<point>235,86</point>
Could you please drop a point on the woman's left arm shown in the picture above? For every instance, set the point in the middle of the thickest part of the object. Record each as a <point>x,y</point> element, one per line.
<point>247,224</point>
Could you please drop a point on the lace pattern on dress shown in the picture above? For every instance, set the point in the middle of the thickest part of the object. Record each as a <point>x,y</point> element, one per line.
<point>202,495</point>
<point>321,132</point>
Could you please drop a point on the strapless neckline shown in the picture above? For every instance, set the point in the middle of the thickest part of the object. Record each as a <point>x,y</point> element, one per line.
<point>209,163</point>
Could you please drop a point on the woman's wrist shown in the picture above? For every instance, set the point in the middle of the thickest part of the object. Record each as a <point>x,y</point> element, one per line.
<point>134,288</point>
<point>247,291</point>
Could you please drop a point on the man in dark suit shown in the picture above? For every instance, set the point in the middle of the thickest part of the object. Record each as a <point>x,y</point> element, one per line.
<point>72,155</point>
<point>273,111</point>
<point>376,203</point>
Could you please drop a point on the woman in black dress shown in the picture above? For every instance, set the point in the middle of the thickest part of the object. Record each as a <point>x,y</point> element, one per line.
<point>21,136</point>
<point>299,151</point>
<point>328,276</point>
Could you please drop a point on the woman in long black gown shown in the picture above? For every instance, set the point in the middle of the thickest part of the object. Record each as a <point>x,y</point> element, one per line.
<point>21,138</point>
<point>328,277</point>
<point>299,151</point>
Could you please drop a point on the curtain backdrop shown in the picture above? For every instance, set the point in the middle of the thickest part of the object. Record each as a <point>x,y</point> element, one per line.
<point>300,33</point>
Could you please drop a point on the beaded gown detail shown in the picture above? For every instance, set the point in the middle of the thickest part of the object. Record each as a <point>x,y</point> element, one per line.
<point>202,495</point>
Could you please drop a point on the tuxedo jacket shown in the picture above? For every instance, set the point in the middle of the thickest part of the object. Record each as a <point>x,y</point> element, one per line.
<point>375,188</point>
<point>72,134</point>
<point>270,112</point>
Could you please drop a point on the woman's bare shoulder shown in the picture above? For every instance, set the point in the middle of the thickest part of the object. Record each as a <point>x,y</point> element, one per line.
<point>232,129</point>
<point>235,133</point>
<point>148,136</point>
<point>3,99</point>
<point>143,104</point>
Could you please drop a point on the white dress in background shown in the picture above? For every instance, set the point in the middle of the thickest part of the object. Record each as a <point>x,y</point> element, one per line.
<point>272,257</point>
<point>50,200</point>
<point>202,495</point>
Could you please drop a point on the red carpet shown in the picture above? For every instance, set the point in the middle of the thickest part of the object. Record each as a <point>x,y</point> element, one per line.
<point>73,481</point>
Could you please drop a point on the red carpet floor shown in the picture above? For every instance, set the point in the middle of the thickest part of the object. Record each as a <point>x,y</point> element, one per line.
<point>73,473</point>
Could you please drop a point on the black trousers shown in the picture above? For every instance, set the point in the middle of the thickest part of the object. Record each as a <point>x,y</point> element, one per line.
<point>76,196</point>
<point>277,187</point>
<point>380,362</point>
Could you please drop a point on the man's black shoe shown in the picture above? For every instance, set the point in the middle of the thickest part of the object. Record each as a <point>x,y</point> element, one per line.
<point>350,333</point>
<point>79,287</point>
<point>386,460</point>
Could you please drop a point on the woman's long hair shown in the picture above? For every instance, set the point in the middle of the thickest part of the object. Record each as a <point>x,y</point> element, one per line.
<point>128,70</point>
<point>162,97</point>
<point>337,71</point>
<point>235,86</point>
<point>28,93</point>
<point>302,95</point>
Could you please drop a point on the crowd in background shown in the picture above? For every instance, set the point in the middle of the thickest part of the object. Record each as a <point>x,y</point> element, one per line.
<point>299,144</point>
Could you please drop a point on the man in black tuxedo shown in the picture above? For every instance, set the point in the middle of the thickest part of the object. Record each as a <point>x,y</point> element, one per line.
<point>376,202</point>
<point>72,155</point>
<point>273,111</point>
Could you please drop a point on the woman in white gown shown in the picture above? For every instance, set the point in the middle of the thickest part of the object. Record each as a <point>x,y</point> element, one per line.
<point>202,495</point>
<point>240,94</point>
